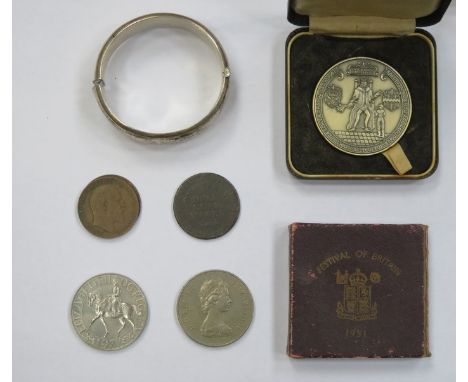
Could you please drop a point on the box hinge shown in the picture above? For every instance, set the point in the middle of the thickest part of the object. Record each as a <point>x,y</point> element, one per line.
<point>361,25</point>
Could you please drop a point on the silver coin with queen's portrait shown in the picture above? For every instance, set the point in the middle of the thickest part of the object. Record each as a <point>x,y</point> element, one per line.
<point>215,308</point>
<point>362,106</point>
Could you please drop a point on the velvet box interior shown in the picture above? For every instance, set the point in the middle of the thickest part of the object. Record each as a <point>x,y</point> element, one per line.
<point>309,55</point>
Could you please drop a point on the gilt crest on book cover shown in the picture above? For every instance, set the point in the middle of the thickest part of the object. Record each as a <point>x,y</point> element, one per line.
<point>357,304</point>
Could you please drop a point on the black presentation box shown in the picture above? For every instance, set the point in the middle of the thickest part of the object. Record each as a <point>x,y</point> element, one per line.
<point>333,31</point>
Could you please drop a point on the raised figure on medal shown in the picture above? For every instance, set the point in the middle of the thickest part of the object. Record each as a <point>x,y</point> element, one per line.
<point>361,101</point>
<point>380,114</point>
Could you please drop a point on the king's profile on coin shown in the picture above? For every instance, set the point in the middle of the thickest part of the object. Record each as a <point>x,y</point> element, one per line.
<point>362,106</point>
<point>109,206</point>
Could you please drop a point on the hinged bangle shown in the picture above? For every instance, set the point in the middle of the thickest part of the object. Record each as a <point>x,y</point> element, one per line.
<point>138,25</point>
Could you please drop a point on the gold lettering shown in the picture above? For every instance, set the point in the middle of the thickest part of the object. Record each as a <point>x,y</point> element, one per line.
<point>361,254</point>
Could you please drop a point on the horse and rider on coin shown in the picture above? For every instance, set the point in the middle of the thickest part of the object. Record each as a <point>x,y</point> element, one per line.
<point>112,307</point>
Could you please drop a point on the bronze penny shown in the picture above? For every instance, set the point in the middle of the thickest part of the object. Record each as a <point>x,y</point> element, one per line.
<point>206,206</point>
<point>109,206</point>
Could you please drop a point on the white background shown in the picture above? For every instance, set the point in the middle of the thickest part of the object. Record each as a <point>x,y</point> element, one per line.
<point>62,141</point>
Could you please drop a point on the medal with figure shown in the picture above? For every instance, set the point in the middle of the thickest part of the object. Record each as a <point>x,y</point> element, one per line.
<point>362,106</point>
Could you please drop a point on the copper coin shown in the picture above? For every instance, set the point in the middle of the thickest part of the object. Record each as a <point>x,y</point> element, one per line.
<point>109,206</point>
<point>206,206</point>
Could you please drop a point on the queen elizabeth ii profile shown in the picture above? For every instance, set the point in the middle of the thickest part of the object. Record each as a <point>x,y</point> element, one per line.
<point>215,301</point>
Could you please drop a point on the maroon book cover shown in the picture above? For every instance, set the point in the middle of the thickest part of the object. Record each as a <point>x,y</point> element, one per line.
<point>358,290</point>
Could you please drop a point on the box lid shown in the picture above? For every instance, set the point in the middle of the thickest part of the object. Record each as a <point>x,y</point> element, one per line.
<point>358,290</point>
<point>426,12</point>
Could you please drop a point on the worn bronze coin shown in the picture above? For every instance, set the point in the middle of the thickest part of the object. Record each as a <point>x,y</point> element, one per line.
<point>109,311</point>
<point>206,206</point>
<point>215,308</point>
<point>109,206</point>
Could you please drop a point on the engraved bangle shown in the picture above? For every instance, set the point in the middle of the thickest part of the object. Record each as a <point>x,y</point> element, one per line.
<point>141,24</point>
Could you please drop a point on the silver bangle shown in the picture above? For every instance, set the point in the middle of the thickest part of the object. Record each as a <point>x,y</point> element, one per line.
<point>141,24</point>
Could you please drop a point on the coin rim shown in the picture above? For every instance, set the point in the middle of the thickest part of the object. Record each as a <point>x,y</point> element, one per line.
<point>403,130</point>
<point>144,323</point>
<point>82,199</point>
<point>180,223</point>
<point>234,339</point>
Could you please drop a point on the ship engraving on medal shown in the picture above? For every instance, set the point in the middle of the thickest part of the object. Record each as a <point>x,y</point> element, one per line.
<point>357,302</point>
<point>362,106</point>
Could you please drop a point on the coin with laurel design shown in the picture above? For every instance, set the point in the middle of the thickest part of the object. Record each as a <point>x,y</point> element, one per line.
<point>362,106</point>
<point>109,311</point>
<point>215,308</point>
